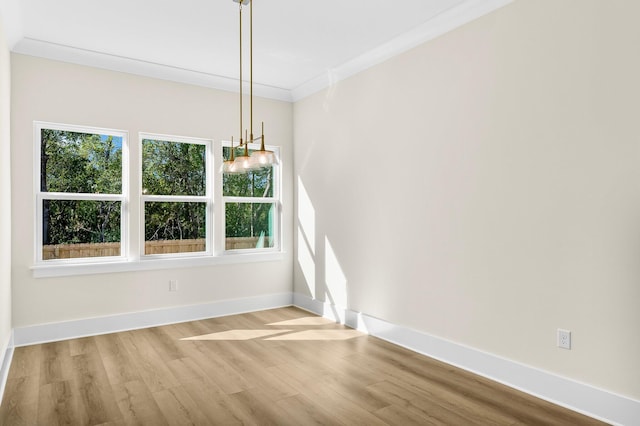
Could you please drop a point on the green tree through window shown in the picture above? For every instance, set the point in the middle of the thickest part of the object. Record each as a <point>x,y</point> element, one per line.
<point>80,163</point>
<point>250,207</point>
<point>82,196</point>
<point>174,192</point>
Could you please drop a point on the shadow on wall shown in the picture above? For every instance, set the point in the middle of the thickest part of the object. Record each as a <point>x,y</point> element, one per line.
<point>324,278</point>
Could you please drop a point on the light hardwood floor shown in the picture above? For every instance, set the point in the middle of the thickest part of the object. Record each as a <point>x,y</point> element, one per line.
<point>281,367</point>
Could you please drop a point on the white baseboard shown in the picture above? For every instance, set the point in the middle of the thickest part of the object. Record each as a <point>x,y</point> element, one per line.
<point>580,397</point>
<point>6,355</point>
<point>52,332</point>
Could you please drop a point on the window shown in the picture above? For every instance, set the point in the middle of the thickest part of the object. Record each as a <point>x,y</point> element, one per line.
<point>251,206</point>
<point>84,214</point>
<point>176,195</point>
<point>80,193</point>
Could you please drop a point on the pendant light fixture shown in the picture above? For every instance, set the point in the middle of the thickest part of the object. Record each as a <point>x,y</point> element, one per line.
<point>229,165</point>
<point>262,157</point>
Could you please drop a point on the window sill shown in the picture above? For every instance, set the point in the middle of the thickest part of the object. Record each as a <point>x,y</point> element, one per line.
<point>60,270</point>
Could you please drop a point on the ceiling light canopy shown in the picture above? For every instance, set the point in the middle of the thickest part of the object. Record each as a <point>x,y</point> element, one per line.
<point>261,157</point>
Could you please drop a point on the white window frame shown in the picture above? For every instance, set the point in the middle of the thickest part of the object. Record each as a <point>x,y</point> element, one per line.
<point>207,198</point>
<point>130,258</point>
<point>40,196</point>
<point>275,199</point>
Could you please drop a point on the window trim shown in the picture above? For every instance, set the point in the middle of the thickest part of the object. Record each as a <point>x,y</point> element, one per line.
<point>207,198</point>
<point>40,196</point>
<point>131,265</point>
<point>130,258</point>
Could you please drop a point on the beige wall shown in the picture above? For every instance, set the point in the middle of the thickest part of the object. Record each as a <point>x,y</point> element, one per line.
<point>5,193</point>
<point>53,91</point>
<point>484,188</point>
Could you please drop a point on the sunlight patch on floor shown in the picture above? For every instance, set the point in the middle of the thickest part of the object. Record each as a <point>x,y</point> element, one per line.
<point>305,321</point>
<point>237,335</point>
<point>319,335</point>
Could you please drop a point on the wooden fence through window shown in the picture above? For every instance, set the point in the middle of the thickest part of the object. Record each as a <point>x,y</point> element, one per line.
<point>73,251</point>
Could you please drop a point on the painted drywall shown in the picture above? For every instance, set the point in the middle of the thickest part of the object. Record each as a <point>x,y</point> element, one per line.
<point>52,91</point>
<point>483,188</point>
<point>5,194</point>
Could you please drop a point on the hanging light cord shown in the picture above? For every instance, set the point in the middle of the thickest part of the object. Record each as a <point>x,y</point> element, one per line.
<point>240,14</point>
<point>251,67</point>
<point>251,77</point>
<point>261,156</point>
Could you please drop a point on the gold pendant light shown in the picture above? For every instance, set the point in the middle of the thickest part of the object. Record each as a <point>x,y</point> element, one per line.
<point>262,157</point>
<point>229,165</point>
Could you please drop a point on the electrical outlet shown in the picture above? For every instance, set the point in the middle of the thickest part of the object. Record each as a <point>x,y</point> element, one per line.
<point>173,285</point>
<point>564,339</point>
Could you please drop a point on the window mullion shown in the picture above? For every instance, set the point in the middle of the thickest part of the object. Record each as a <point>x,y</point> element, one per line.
<point>256,200</point>
<point>175,198</point>
<point>64,196</point>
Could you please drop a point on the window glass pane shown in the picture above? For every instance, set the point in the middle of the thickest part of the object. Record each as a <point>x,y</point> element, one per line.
<point>73,229</point>
<point>256,183</point>
<point>172,227</point>
<point>249,225</point>
<point>80,162</point>
<point>173,168</point>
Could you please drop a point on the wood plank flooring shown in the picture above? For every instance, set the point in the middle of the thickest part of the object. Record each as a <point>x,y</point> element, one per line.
<point>276,367</point>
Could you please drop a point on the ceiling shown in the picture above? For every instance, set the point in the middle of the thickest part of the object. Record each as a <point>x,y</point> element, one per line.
<point>299,47</point>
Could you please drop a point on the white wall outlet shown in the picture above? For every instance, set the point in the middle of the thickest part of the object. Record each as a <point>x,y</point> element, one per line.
<point>564,339</point>
<point>173,285</point>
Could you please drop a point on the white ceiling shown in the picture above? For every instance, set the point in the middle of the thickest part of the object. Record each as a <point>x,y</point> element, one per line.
<point>299,47</point>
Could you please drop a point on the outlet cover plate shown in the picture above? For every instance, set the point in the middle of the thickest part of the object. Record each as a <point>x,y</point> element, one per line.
<point>564,339</point>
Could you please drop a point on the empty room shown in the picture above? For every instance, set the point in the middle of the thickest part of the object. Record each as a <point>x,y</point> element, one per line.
<point>296,213</point>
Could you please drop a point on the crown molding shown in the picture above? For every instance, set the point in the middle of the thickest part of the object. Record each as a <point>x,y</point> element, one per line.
<point>447,21</point>
<point>74,55</point>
